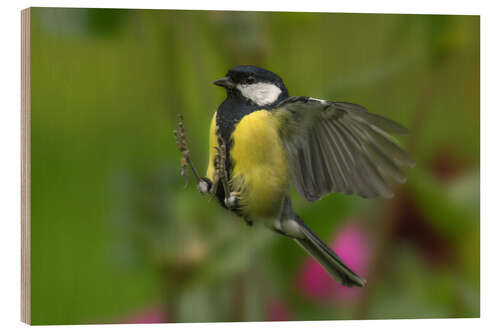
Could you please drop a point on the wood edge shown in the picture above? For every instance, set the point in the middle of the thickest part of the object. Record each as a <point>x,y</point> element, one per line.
<point>25,168</point>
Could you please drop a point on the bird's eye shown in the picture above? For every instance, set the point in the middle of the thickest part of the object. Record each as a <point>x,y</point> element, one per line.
<point>250,80</point>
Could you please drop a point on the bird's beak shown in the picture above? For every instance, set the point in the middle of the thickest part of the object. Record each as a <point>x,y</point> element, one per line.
<point>224,82</point>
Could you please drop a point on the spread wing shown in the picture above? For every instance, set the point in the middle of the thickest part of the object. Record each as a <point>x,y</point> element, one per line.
<point>340,147</point>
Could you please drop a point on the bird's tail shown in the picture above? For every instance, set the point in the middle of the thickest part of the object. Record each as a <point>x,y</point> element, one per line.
<point>327,258</point>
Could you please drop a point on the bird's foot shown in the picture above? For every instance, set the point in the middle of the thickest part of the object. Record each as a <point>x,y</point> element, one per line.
<point>204,186</point>
<point>231,201</point>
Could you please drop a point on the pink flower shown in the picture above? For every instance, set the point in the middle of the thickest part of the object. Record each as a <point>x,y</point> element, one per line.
<point>353,246</point>
<point>148,316</point>
<point>314,282</point>
<point>277,310</point>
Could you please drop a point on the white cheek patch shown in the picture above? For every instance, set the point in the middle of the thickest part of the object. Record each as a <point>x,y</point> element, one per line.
<point>260,93</point>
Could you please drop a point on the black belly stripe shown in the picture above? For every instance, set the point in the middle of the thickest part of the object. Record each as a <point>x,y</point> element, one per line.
<point>229,114</point>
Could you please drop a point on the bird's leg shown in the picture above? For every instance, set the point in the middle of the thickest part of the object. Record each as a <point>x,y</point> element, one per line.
<point>230,198</point>
<point>216,174</point>
<point>203,184</point>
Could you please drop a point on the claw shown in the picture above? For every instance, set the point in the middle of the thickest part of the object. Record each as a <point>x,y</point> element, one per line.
<point>203,186</point>
<point>220,174</point>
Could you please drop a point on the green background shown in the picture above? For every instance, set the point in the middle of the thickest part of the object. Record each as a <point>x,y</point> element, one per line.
<point>116,238</point>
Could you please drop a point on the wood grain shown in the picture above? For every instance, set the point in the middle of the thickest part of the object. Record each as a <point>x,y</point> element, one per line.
<point>25,167</point>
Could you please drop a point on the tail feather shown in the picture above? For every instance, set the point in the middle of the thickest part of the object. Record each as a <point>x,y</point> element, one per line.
<point>327,258</point>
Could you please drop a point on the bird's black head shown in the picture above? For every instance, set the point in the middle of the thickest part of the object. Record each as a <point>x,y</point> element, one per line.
<point>253,85</point>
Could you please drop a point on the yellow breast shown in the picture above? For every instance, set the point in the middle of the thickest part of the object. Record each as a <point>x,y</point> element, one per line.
<point>212,144</point>
<point>260,172</point>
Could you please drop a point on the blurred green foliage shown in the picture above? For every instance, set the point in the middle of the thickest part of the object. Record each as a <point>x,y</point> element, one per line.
<point>114,231</point>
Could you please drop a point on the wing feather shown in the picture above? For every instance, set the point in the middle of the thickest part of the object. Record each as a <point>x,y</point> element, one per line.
<point>333,159</point>
<point>340,147</point>
<point>346,160</point>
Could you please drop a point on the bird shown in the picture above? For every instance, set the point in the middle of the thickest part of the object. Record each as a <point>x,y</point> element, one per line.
<point>263,141</point>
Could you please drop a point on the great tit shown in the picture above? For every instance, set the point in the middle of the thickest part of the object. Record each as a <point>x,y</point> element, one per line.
<point>262,141</point>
